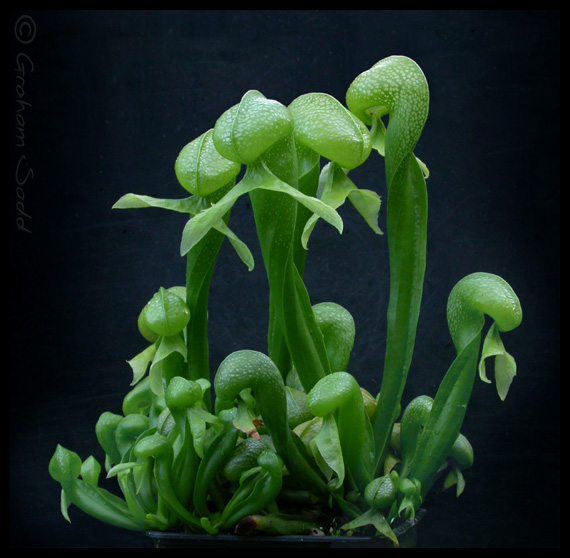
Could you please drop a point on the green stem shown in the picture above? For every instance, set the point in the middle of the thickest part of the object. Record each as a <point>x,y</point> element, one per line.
<point>159,449</point>
<point>308,163</point>
<point>199,269</point>
<point>180,396</point>
<point>446,417</point>
<point>215,458</point>
<point>308,183</point>
<point>256,492</point>
<point>406,229</point>
<point>291,314</point>
<point>200,262</point>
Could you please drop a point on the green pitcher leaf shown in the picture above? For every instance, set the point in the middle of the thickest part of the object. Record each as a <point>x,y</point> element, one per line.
<point>166,313</point>
<point>246,130</point>
<point>326,126</point>
<point>339,331</point>
<point>201,170</point>
<point>339,395</point>
<point>396,86</point>
<point>247,369</point>
<point>471,299</point>
<point>90,471</point>
<point>65,468</point>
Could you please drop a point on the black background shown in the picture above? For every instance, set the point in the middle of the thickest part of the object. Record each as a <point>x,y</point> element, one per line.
<point>102,102</point>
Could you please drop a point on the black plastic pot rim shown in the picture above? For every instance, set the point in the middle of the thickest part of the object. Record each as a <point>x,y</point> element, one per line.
<point>278,540</point>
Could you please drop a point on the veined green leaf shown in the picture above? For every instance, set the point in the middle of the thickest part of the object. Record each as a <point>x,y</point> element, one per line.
<point>505,365</point>
<point>378,135</point>
<point>140,363</point>
<point>326,449</point>
<point>455,477</point>
<point>257,177</point>
<point>64,506</point>
<point>192,206</point>
<point>122,467</point>
<point>138,201</point>
<point>198,419</point>
<point>334,188</point>
<point>375,518</point>
<point>240,247</point>
<point>167,346</point>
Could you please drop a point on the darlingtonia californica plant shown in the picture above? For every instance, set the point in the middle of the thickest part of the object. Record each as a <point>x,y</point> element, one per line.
<point>285,440</point>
